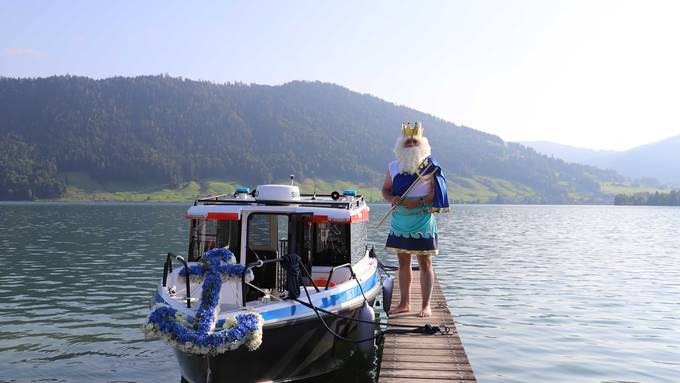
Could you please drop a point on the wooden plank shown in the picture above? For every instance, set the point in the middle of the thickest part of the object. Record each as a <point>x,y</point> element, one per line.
<point>436,320</point>
<point>431,374</point>
<point>424,358</point>
<point>416,380</point>
<point>446,358</point>
<point>423,346</point>
<point>452,353</point>
<point>426,366</point>
<point>412,342</point>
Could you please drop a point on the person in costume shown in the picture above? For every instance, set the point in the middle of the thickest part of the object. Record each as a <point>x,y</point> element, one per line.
<point>413,230</point>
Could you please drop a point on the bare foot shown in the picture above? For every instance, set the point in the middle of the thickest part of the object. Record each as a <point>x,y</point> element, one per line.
<point>400,309</point>
<point>425,312</point>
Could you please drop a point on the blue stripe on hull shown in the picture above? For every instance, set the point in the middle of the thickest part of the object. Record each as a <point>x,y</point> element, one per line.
<point>298,308</point>
<point>325,302</point>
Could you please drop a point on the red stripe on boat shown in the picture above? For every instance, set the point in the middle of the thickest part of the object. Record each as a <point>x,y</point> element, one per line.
<point>320,218</point>
<point>223,216</point>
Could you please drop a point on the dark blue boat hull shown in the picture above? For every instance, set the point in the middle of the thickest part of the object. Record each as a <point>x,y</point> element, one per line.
<point>291,351</point>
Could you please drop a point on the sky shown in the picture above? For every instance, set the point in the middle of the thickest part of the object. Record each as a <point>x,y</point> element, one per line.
<point>596,74</point>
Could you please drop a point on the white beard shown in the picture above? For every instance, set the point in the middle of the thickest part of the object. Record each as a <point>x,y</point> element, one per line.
<point>410,158</point>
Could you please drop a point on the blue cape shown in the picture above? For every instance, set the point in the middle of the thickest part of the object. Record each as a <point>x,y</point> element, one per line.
<point>402,181</point>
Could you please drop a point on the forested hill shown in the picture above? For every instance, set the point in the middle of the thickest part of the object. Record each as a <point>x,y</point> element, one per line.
<point>172,130</point>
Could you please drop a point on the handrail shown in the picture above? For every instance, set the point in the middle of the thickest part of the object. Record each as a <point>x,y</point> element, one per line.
<point>214,197</point>
<point>186,270</point>
<point>330,274</point>
<point>306,203</point>
<point>167,268</point>
<point>353,275</point>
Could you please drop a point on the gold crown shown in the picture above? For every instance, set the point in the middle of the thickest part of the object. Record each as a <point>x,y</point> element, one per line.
<point>411,129</point>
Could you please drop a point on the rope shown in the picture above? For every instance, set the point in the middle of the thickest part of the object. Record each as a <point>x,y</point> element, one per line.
<point>426,329</point>
<point>291,262</point>
<point>316,311</point>
<point>445,330</point>
<point>294,263</point>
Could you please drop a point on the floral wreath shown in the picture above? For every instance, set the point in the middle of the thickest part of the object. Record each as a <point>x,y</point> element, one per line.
<point>204,335</point>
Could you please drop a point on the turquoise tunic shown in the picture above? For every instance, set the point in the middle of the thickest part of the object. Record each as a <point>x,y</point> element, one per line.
<point>413,230</point>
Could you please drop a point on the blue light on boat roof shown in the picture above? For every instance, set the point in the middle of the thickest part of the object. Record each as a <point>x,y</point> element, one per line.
<point>243,190</point>
<point>349,192</point>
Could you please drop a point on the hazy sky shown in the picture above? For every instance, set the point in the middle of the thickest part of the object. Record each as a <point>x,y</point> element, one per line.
<point>597,74</point>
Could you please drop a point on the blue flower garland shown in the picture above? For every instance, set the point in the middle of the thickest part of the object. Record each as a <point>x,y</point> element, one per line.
<point>201,336</point>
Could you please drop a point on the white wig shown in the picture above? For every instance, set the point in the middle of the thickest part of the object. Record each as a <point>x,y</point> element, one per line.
<point>410,158</point>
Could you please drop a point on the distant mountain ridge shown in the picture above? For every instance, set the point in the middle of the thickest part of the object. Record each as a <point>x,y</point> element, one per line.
<point>172,130</point>
<point>570,153</point>
<point>656,160</point>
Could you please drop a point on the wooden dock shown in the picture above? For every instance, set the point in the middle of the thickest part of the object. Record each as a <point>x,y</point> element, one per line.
<point>421,358</point>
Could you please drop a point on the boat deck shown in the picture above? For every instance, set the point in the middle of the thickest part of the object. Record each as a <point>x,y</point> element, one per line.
<point>419,358</point>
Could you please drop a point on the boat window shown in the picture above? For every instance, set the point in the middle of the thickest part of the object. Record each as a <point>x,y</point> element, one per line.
<point>332,244</point>
<point>209,234</point>
<point>261,228</point>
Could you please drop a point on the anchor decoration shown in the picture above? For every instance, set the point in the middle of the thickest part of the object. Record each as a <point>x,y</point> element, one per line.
<point>203,334</point>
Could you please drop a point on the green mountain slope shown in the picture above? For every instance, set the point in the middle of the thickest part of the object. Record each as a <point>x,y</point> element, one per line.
<point>169,131</point>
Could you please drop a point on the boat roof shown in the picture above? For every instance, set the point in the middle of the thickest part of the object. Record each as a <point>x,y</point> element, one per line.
<point>324,208</point>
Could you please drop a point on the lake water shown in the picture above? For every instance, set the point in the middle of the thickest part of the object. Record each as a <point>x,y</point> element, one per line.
<point>539,293</point>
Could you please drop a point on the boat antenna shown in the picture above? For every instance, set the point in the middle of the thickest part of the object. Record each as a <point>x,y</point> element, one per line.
<point>292,177</point>
<point>314,195</point>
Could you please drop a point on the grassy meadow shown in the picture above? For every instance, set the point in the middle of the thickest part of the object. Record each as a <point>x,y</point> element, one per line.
<point>475,189</point>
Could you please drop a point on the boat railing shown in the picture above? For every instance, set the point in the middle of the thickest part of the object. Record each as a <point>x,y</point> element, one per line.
<point>186,271</point>
<point>330,273</point>
<point>167,269</point>
<point>311,202</point>
<point>352,276</point>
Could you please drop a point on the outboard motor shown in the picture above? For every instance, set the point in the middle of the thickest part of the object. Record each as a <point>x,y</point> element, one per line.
<point>366,330</point>
<point>387,287</point>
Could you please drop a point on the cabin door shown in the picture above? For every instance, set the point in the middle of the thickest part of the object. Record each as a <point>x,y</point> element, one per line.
<point>270,236</point>
<point>300,237</point>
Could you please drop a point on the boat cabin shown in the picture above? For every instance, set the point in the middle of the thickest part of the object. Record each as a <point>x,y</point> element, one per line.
<point>326,231</point>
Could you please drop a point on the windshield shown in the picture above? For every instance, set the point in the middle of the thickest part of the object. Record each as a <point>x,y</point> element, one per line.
<point>209,234</point>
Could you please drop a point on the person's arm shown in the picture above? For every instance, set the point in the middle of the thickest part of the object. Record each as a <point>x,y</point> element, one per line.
<point>387,191</point>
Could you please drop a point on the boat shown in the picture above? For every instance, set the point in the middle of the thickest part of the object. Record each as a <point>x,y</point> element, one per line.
<point>275,286</point>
